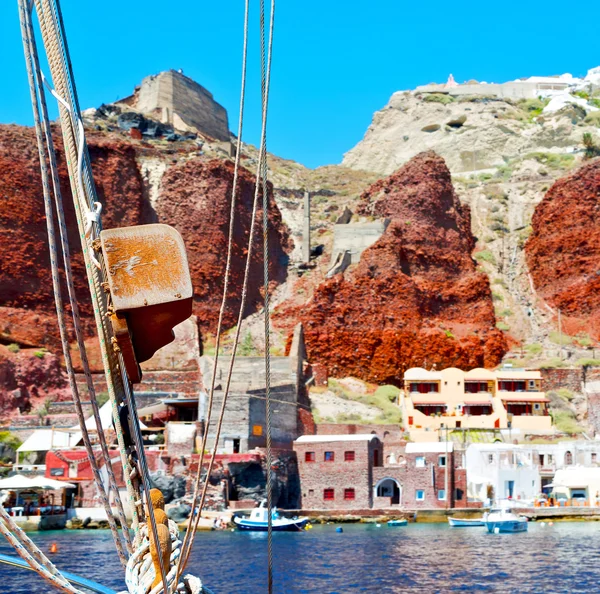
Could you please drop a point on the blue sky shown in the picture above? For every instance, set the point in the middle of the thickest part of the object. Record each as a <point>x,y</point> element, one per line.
<point>335,63</point>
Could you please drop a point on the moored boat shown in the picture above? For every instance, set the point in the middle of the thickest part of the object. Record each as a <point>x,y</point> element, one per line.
<point>466,522</point>
<point>504,521</point>
<point>258,521</point>
<point>401,522</point>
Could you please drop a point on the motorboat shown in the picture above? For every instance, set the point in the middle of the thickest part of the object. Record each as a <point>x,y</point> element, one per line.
<point>258,521</point>
<point>395,523</point>
<point>466,522</point>
<point>502,520</point>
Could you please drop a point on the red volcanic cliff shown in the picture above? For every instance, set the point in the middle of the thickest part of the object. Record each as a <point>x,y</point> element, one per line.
<point>194,197</point>
<point>27,312</point>
<point>563,252</point>
<point>416,297</point>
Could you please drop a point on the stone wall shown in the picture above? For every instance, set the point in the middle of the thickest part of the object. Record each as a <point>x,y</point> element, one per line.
<point>383,432</point>
<point>178,100</point>
<point>572,378</point>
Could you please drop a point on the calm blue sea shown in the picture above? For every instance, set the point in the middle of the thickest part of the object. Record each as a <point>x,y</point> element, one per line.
<point>563,558</point>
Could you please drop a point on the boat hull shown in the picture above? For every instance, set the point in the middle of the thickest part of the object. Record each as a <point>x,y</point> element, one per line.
<point>506,526</point>
<point>465,522</point>
<point>396,523</point>
<point>278,525</point>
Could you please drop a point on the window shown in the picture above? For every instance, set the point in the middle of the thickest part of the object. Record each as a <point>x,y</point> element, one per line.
<point>349,494</point>
<point>594,458</point>
<point>328,494</point>
<point>549,458</point>
<point>459,494</point>
<point>442,495</point>
<point>311,491</point>
<point>568,458</point>
<point>309,457</point>
<point>420,495</point>
<point>537,406</point>
<point>490,458</point>
<point>420,462</point>
<point>349,456</point>
<point>329,456</point>
<point>442,461</point>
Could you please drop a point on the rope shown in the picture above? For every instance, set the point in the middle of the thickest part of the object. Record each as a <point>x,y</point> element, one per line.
<point>265,83</point>
<point>58,65</point>
<point>189,533</point>
<point>71,290</point>
<point>30,553</point>
<point>26,32</point>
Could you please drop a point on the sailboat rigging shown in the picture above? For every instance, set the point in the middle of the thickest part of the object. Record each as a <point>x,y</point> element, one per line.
<point>140,288</point>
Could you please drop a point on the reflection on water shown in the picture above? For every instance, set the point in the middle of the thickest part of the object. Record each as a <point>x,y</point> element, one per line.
<point>418,558</point>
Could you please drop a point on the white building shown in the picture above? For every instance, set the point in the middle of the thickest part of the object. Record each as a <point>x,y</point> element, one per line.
<point>501,471</point>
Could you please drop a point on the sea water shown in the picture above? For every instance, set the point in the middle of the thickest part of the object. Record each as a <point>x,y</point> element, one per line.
<point>420,558</point>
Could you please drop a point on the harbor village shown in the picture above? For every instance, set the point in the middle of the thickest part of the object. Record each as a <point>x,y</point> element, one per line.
<point>205,341</point>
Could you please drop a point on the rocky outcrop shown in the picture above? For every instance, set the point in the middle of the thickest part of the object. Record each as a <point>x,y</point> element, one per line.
<point>469,132</point>
<point>27,314</point>
<point>416,298</point>
<point>195,197</point>
<point>563,252</point>
<point>27,378</point>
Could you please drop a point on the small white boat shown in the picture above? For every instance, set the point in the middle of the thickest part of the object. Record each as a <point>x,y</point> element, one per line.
<point>396,523</point>
<point>258,521</point>
<point>466,522</point>
<point>501,520</point>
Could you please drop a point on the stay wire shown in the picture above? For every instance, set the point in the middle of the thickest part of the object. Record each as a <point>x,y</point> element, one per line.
<point>265,85</point>
<point>190,533</point>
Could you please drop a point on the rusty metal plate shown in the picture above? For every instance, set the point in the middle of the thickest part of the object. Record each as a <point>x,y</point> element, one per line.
<point>147,265</point>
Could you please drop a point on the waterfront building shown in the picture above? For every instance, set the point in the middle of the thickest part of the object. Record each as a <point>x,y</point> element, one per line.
<point>475,399</point>
<point>501,470</point>
<point>336,471</point>
<point>360,472</point>
<point>577,485</point>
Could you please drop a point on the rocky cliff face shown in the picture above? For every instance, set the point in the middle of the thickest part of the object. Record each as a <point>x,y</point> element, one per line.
<point>193,196</point>
<point>470,132</point>
<point>563,252</point>
<point>416,298</point>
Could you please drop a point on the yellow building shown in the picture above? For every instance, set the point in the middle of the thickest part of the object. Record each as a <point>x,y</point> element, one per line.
<point>476,399</point>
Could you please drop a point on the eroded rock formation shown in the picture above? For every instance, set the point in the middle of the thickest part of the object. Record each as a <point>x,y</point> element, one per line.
<point>563,252</point>
<point>416,298</point>
<point>194,197</point>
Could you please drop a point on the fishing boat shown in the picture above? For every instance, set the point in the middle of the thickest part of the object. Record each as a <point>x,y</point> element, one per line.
<point>396,523</point>
<point>466,522</point>
<point>258,521</point>
<point>502,520</point>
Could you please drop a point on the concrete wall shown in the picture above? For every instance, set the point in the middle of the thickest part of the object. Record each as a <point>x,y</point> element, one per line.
<point>508,90</point>
<point>178,100</point>
<point>356,238</point>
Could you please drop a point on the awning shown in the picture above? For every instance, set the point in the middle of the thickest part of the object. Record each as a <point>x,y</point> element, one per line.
<point>423,399</point>
<point>523,398</point>
<point>20,482</point>
<point>478,403</point>
<point>153,409</point>
<point>44,440</point>
<point>105,414</point>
